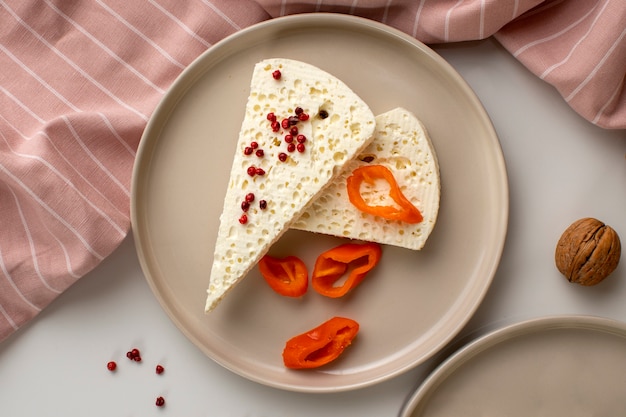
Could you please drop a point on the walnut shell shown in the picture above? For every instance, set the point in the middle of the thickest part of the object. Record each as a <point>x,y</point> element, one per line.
<point>587,252</point>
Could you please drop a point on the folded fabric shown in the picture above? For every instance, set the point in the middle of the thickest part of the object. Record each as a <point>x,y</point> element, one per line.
<point>80,79</point>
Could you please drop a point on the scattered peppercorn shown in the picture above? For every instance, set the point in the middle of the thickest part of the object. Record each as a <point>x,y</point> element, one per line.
<point>243,219</point>
<point>282,157</point>
<point>159,369</point>
<point>134,355</point>
<point>160,402</point>
<point>276,75</point>
<point>248,150</point>
<point>262,204</point>
<point>301,138</point>
<point>259,171</point>
<point>245,206</point>
<point>250,197</point>
<point>291,147</point>
<point>300,147</point>
<point>251,171</point>
<point>111,366</point>
<point>288,138</point>
<point>293,130</point>
<point>260,153</point>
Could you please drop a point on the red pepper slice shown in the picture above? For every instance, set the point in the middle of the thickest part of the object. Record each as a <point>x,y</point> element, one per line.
<point>333,264</point>
<point>406,211</point>
<point>287,276</point>
<point>320,345</point>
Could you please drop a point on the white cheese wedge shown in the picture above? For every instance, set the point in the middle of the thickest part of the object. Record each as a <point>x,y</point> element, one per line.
<point>401,143</point>
<point>339,126</point>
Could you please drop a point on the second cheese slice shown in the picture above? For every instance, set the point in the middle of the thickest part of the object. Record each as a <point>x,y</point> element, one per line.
<point>277,171</point>
<point>401,143</point>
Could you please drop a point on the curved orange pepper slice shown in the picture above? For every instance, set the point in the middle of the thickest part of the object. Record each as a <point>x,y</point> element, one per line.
<point>333,264</point>
<point>320,345</point>
<point>407,212</point>
<point>287,276</point>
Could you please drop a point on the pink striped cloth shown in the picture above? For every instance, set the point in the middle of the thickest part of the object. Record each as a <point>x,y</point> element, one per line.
<point>79,80</point>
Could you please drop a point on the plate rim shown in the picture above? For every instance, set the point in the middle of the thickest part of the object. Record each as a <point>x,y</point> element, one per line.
<point>493,338</point>
<point>319,19</point>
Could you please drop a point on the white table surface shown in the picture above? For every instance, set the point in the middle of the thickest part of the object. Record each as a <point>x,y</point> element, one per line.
<point>560,168</point>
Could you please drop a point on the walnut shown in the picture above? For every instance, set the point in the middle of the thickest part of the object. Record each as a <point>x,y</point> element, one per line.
<point>587,252</point>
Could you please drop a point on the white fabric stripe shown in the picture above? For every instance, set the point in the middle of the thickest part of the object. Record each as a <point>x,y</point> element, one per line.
<point>105,48</point>
<point>283,7</point>
<point>66,255</point>
<point>68,183</point>
<point>318,6</point>
<point>140,34</point>
<point>38,78</point>
<point>515,9</point>
<point>596,68</point>
<point>73,64</point>
<point>446,27</point>
<point>608,102</point>
<point>417,17</point>
<point>107,122</point>
<point>22,105</point>
<point>53,213</point>
<point>9,279</point>
<point>481,24</point>
<point>554,35</point>
<point>353,6</point>
<point>386,11</point>
<point>9,319</point>
<point>31,244</point>
<point>571,52</point>
<point>52,144</point>
<point>481,29</point>
<point>221,14</point>
<point>180,23</point>
<point>74,133</point>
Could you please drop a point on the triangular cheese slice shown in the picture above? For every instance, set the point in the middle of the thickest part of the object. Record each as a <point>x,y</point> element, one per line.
<point>336,125</point>
<point>401,143</point>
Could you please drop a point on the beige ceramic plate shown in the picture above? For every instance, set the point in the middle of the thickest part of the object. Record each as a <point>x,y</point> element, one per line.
<point>571,366</point>
<point>414,303</point>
